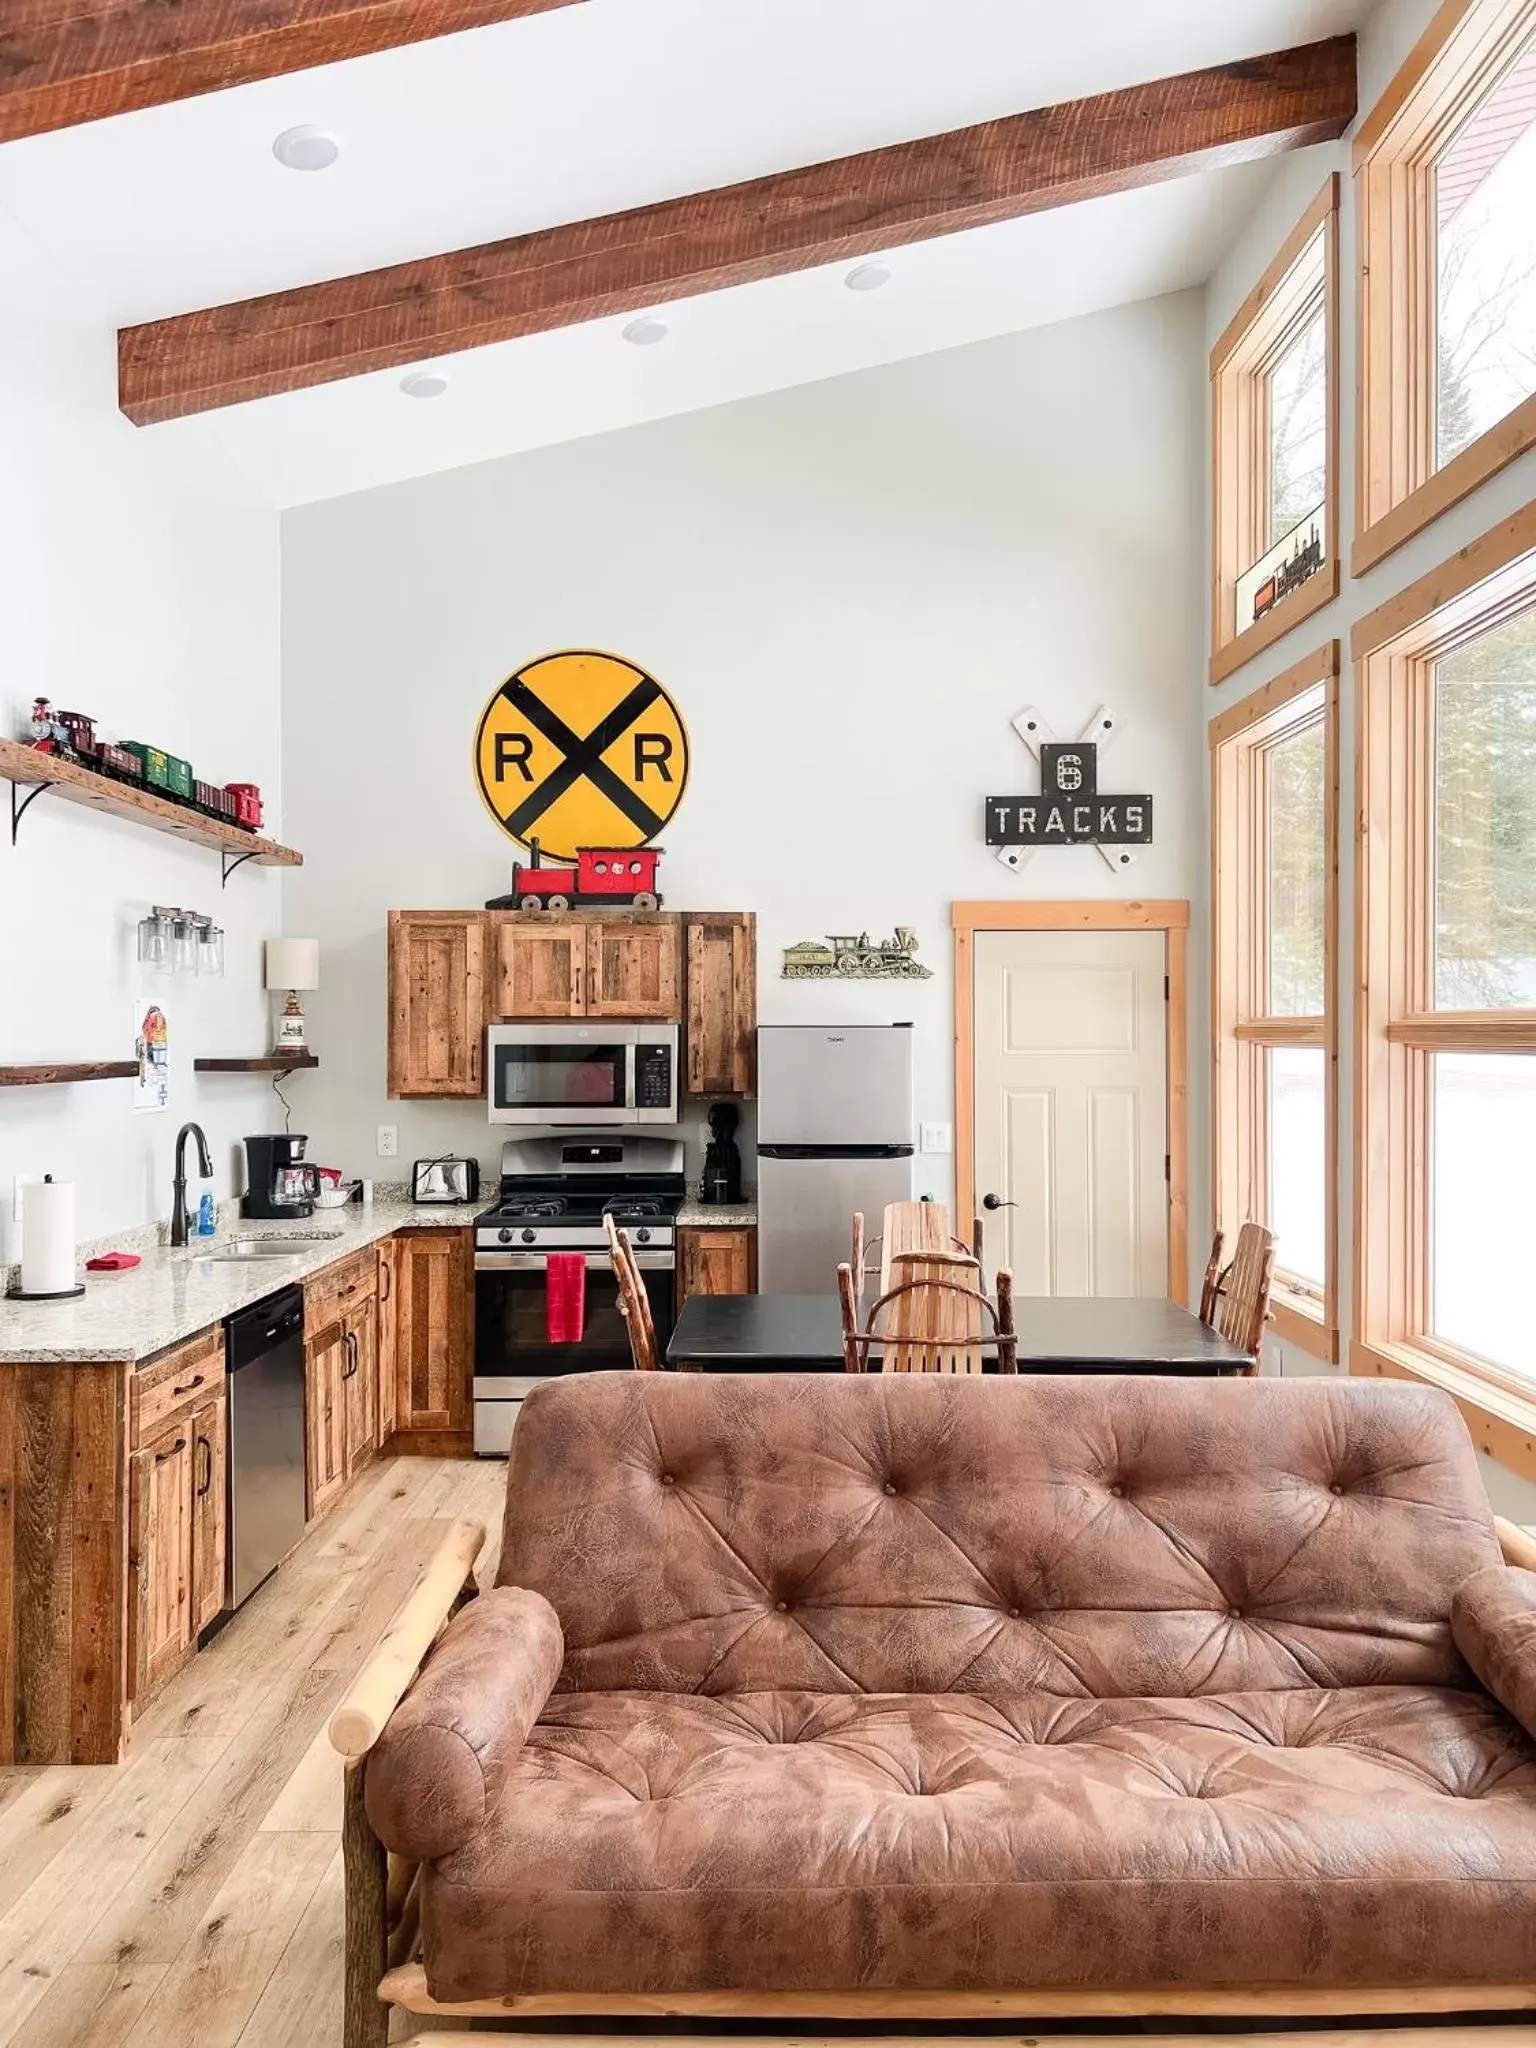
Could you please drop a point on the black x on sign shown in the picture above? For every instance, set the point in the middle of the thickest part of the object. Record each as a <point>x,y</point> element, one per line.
<point>581,749</point>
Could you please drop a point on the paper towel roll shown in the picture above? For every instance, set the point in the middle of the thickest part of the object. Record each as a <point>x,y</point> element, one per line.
<point>48,1237</point>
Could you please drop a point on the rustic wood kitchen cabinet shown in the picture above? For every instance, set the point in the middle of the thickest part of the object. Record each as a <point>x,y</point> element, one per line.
<point>436,1003</point>
<point>716,1260</point>
<point>178,1508</point>
<point>388,1371</point>
<point>451,973</point>
<point>341,1375</point>
<point>433,1339</point>
<point>720,1042</point>
<point>541,969</point>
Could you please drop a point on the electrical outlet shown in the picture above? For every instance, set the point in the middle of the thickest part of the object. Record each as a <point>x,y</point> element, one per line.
<point>389,1141</point>
<point>936,1138</point>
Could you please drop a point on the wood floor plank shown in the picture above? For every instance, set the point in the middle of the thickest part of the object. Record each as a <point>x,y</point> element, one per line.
<point>310,1801</point>
<point>47,1808</point>
<point>47,1926</point>
<point>91,2002</point>
<point>302,1999</point>
<point>215,1984</point>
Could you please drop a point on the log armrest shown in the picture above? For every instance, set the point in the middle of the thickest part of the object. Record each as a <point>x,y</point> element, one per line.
<point>437,1770</point>
<point>1493,1618</point>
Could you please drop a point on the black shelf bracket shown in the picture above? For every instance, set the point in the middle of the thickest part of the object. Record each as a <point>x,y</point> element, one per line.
<point>19,810</point>
<point>230,862</point>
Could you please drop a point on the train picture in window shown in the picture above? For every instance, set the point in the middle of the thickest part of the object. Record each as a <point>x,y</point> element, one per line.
<point>1294,558</point>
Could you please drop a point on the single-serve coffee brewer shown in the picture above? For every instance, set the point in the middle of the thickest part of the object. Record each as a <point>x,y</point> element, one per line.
<point>277,1182</point>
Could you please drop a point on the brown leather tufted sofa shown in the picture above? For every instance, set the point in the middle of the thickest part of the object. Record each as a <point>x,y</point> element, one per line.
<point>1210,1692</point>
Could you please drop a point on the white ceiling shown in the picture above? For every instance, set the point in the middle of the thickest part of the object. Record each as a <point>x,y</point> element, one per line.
<point>594,108</point>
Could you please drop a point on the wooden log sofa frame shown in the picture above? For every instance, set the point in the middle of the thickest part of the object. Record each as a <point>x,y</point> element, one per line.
<point>383,1968</point>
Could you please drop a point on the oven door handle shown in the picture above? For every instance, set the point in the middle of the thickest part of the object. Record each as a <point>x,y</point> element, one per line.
<point>597,1262</point>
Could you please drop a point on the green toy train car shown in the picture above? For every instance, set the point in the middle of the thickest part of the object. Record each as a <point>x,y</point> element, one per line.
<point>165,772</point>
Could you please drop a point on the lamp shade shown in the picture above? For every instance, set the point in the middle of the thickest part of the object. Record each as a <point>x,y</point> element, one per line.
<point>293,963</point>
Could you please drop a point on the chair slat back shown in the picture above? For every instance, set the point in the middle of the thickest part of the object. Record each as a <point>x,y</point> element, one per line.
<point>1245,1289</point>
<point>934,1327</point>
<point>1210,1286</point>
<point>904,1351</point>
<point>634,1302</point>
<point>911,1227</point>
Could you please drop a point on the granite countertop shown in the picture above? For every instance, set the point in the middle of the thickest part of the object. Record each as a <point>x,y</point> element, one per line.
<point>703,1215</point>
<point>174,1294</point>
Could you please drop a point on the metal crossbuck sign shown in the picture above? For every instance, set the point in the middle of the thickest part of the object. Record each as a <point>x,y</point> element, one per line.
<point>1070,809</point>
<point>580,750</point>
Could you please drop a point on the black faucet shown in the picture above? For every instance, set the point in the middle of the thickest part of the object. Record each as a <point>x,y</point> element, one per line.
<point>179,1184</point>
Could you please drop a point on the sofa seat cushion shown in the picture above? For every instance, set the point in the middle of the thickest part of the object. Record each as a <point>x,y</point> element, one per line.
<point>807,1841</point>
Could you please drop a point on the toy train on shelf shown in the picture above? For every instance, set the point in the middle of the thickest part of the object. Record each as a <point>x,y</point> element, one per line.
<point>72,736</point>
<point>605,876</point>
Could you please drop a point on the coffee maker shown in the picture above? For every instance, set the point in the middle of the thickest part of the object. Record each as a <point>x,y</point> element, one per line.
<point>277,1182</point>
<point>722,1161</point>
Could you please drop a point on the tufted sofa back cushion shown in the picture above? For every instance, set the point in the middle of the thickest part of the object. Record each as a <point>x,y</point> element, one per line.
<point>921,1533</point>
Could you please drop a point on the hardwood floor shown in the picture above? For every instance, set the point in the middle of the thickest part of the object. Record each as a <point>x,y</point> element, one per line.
<point>190,1897</point>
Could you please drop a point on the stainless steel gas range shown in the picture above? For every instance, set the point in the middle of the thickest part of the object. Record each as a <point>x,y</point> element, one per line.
<point>554,1194</point>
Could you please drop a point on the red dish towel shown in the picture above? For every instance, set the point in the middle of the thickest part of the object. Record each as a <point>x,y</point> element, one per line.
<point>565,1297</point>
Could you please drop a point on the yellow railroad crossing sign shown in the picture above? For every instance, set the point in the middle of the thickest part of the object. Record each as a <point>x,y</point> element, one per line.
<point>581,749</point>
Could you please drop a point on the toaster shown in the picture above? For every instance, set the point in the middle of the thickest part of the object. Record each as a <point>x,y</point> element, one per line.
<point>445,1180</point>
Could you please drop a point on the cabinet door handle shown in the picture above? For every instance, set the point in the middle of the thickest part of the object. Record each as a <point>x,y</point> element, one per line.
<point>206,1444</point>
<point>175,1451</point>
<point>193,1383</point>
<point>387,1275</point>
<point>352,1354</point>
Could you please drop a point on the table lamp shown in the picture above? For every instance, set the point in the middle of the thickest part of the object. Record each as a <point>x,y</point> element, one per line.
<point>292,964</point>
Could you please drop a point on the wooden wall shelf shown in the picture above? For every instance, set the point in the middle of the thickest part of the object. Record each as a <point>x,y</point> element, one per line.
<point>21,765</point>
<point>68,1070</point>
<point>269,1063</point>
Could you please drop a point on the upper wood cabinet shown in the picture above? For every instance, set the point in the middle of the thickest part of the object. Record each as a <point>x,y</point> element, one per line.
<point>632,970</point>
<point>720,1049</point>
<point>541,969</point>
<point>436,1002</point>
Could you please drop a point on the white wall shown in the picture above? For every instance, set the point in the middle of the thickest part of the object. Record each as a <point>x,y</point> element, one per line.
<point>849,588</point>
<point>1384,42</point>
<point>136,588</point>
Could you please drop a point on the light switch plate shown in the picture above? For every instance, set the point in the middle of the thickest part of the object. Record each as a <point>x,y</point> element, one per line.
<point>936,1138</point>
<point>389,1141</point>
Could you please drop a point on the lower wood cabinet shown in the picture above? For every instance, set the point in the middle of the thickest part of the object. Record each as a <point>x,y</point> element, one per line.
<point>326,1355</point>
<point>433,1339</point>
<point>210,1509</point>
<point>716,1261</point>
<point>178,1509</point>
<point>388,1367</point>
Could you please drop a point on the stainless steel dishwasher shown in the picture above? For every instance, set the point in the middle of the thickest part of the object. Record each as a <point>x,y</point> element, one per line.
<point>264,1352</point>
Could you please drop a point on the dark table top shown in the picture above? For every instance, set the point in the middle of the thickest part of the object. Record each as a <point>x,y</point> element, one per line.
<point>1057,1333</point>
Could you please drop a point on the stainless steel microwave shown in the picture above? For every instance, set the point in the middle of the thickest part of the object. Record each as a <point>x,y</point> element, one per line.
<point>582,1073</point>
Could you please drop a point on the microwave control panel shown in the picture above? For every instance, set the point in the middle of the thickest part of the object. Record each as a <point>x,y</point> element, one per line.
<point>653,1077</point>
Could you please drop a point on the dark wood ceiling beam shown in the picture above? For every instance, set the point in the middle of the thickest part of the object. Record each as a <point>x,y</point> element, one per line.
<point>67,61</point>
<point>793,220</point>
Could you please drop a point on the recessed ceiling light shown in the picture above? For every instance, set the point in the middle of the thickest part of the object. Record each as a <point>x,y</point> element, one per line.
<point>424,384</point>
<point>306,149</point>
<point>867,277</point>
<point>646,331</point>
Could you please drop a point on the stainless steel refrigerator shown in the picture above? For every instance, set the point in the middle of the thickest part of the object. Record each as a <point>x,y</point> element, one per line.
<point>834,1135</point>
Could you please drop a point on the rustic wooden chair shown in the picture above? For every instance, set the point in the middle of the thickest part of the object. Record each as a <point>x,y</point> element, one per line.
<point>930,1321</point>
<point>634,1302</point>
<point>869,1254</point>
<point>1210,1286</point>
<point>1243,1291</point>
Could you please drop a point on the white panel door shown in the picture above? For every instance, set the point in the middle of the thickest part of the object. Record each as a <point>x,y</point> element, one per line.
<point>1071,1078</point>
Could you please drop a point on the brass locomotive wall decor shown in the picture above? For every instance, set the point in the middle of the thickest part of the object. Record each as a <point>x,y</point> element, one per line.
<point>856,959</point>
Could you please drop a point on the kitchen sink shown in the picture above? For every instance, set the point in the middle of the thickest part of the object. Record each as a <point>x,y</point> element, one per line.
<point>238,1250</point>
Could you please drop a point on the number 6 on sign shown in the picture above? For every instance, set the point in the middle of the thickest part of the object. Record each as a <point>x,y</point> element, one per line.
<point>581,749</point>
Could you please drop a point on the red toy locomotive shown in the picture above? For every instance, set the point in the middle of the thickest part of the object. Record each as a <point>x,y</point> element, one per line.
<point>605,876</point>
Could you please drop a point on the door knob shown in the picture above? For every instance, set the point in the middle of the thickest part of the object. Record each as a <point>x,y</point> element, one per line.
<point>996,1202</point>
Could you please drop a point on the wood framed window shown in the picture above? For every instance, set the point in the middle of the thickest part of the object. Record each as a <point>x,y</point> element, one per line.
<point>1445,182</point>
<point>1275,438</point>
<point>1274,925</point>
<point>1446,949</point>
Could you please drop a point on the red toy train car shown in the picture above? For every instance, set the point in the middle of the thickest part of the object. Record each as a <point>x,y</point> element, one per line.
<point>604,876</point>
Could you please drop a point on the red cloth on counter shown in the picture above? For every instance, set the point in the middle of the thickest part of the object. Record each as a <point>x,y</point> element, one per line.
<point>565,1297</point>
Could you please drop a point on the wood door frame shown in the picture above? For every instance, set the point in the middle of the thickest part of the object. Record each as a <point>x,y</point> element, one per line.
<point>1169,915</point>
